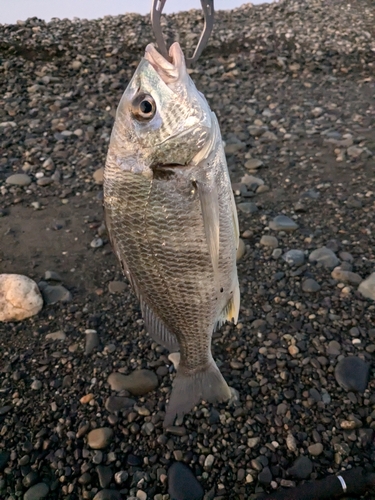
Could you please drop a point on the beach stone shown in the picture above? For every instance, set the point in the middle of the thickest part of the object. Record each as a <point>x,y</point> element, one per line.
<point>269,241</point>
<point>352,374</point>
<point>182,484</point>
<point>118,403</point>
<point>315,449</point>
<point>98,439</point>
<point>174,357</point>
<point>367,287</point>
<point>310,286</point>
<point>340,274</point>
<point>302,468</point>
<point>283,223</point>
<point>20,297</point>
<point>107,494</point>
<point>294,258</point>
<point>116,287</point>
<point>265,476</point>
<point>98,175</point>
<point>138,383</point>
<point>18,180</point>
<point>253,164</point>
<point>37,492</point>
<point>324,256</point>
<point>105,475</point>
<point>59,335</point>
<point>92,341</point>
<point>4,458</point>
<point>52,294</point>
<point>247,207</point>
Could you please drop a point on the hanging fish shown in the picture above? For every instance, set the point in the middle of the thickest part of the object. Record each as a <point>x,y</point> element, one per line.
<point>172,220</point>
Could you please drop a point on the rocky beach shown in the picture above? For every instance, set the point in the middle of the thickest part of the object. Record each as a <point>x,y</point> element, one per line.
<point>83,388</point>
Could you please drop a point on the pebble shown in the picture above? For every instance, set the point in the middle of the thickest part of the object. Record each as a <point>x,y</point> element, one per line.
<point>340,274</point>
<point>92,341</point>
<point>324,256</point>
<point>18,180</point>
<point>247,207</point>
<point>265,476</point>
<point>352,374</point>
<point>367,287</point>
<point>20,297</point>
<point>116,287</point>
<point>302,468</point>
<point>269,241</point>
<point>253,164</point>
<point>315,449</point>
<point>283,223</point>
<point>98,175</point>
<point>59,335</point>
<point>138,383</point>
<point>96,243</point>
<point>36,385</point>
<point>37,492</point>
<point>252,181</point>
<point>182,484</point>
<point>241,249</point>
<point>105,475</point>
<point>118,403</point>
<point>294,258</point>
<point>52,294</point>
<point>108,495</point>
<point>98,439</point>
<point>4,459</point>
<point>309,285</point>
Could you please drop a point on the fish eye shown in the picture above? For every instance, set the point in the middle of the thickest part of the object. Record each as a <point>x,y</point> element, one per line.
<point>143,107</point>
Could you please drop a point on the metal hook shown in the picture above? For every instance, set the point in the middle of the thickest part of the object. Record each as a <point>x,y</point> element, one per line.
<point>208,12</point>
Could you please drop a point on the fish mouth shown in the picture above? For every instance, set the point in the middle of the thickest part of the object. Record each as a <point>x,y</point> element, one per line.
<point>169,72</point>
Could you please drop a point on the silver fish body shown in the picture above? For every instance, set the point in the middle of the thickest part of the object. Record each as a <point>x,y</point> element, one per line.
<point>172,220</point>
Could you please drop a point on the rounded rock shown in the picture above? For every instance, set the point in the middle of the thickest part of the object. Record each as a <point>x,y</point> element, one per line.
<point>352,374</point>
<point>20,297</point>
<point>18,180</point>
<point>37,492</point>
<point>138,383</point>
<point>269,241</point>
<point>182,484</point>
<point>98,439</point>
<point>283,223</point>
<point>315,449</point>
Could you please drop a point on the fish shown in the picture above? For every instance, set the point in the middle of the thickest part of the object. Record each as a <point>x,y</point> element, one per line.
<point>172,220</point>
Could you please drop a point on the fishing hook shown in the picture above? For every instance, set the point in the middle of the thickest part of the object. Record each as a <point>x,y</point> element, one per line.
<point>208,12</point>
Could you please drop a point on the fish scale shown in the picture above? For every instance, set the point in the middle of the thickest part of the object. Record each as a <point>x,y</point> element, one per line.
<point>167,197</point>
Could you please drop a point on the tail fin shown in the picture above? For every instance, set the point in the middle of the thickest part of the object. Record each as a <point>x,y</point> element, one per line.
<point>189,389</point>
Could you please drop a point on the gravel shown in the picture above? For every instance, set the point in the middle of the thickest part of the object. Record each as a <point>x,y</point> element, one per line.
<point>292,86</point>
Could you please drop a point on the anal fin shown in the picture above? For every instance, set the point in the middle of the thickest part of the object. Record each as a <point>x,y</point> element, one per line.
<point>157,330</point>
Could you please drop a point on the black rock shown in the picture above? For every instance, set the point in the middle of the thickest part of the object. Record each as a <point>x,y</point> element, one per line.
<point>352,374</point>
<point>105,475</point>
<point>108,495</point>
<point>134,461</point>
<point>302,468</point>
<point>182,484</point>
<point>4,457</point>
<point>265,477</point>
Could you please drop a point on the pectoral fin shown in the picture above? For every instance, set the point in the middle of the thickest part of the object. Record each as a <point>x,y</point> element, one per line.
<point>232,309</point>
<point>209,199</point>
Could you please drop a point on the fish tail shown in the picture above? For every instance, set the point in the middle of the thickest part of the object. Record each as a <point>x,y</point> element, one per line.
<point>190,388</point>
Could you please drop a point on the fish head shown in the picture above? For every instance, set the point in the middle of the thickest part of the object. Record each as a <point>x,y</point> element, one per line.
<point>162,118</point>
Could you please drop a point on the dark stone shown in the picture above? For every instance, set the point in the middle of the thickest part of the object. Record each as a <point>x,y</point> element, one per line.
<point>302,468</point>
<point>134,461</point>
<point>182,484</point>
<point>352,374</point>
<point>105,475</point>
<point>265,476</point>
<point>4,457</point>
<point>108,495</point>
